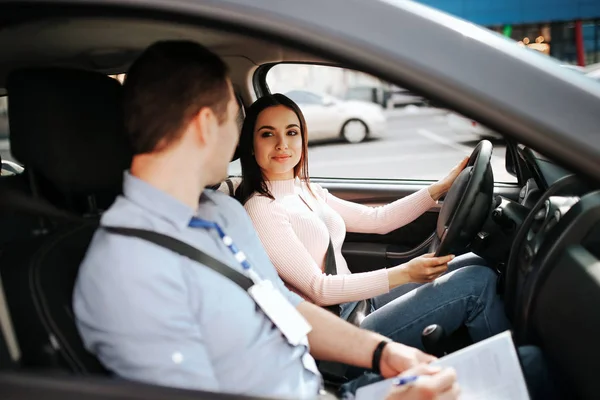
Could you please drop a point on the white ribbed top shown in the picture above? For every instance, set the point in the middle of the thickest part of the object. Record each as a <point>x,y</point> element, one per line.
<point>296,238</point>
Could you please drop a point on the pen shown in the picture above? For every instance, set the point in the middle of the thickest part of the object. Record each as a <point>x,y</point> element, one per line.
<point>404,380</point>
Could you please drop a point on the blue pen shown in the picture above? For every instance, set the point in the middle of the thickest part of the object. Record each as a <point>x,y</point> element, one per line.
<point>404,380</point>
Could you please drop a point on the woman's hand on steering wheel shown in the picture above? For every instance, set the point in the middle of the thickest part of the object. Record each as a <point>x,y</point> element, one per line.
<point>422,269</point>
<point>441,187</point>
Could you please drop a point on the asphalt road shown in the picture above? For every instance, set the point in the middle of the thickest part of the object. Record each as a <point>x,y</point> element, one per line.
<point>418,144</point>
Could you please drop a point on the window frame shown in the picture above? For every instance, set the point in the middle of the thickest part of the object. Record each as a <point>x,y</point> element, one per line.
<point>261,88</point>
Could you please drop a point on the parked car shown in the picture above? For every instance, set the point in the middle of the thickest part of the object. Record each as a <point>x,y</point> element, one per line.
<point>400,97</point>
<point>392,97</point>
<point>372,94</point>
<point>330,118</point>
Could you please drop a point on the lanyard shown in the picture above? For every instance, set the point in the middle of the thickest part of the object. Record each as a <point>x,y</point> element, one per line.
<point>239,255</point>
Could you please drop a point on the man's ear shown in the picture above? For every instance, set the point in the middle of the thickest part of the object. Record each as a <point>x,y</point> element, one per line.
<point>206,125</point>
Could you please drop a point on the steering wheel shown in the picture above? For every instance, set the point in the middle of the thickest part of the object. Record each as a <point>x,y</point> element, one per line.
<point>467,204</point>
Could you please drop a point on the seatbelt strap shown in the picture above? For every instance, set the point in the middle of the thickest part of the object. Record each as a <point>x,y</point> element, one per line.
<point>230,187</point>
<point>185,250</point>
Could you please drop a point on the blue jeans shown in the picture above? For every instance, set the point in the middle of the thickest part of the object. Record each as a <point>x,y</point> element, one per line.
<point>466,294</point>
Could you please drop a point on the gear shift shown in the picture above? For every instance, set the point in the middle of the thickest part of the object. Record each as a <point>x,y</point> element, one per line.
<point>433,340</point>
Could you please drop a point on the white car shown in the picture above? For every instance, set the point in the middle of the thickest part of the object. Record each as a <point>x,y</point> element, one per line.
<point>400,97</point>
<point>330,118</point>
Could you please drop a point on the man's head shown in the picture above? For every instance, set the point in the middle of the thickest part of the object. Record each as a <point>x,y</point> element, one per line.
<point>177,95</point>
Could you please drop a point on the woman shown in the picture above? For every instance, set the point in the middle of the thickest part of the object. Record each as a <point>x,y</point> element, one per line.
<point>296,221</point>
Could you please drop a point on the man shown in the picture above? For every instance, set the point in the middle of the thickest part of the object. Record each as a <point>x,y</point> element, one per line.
<point>152,315</point>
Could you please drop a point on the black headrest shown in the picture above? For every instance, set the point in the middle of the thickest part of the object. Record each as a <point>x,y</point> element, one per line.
<point>67,126</point>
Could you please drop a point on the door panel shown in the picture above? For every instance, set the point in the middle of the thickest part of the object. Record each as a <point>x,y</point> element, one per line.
<point>366,252</point>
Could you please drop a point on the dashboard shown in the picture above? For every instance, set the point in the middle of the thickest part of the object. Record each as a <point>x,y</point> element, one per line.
<point>556,212</point>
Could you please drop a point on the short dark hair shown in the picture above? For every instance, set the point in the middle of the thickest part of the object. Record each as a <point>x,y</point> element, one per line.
<point>253,181</point>
<point>166,87</point>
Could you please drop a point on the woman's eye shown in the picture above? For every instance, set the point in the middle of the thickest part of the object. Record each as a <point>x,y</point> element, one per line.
<point>292,133</point>
<point>266,134</point>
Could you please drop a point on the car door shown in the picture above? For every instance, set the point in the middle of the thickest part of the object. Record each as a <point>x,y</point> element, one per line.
<point>370,251</point>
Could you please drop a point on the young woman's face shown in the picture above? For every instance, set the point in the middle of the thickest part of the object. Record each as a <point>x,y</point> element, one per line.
<point>277,142</point>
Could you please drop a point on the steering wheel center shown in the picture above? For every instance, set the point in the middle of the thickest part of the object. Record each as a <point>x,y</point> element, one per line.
<point>467,204</point>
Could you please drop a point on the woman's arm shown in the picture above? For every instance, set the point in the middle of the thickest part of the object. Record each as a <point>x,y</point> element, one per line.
<point>382,220</point>
<point>296,266</point>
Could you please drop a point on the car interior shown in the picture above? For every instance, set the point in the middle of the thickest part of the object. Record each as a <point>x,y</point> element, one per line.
<point>541,234</point>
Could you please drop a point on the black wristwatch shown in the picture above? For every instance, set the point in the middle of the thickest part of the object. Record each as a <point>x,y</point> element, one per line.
<point>375,367</point>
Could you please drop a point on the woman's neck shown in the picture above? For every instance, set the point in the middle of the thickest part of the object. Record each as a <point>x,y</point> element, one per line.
<point>286,176</point>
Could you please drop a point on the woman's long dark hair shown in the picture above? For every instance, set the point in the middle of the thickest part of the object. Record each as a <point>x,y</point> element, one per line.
<point>253,180</point>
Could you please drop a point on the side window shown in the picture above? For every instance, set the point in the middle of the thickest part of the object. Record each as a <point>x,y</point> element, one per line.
<point>362,127</point>
<point>301,97</point>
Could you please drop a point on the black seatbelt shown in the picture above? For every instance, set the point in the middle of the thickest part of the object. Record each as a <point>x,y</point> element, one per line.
<point>185,250</point>
<point>230,187</point>
<point>331,269</point>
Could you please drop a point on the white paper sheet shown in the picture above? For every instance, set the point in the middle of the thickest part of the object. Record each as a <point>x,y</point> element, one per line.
<point>487,370</point>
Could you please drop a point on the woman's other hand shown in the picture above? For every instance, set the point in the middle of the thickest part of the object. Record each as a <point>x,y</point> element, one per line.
<point>441,187</point>
<point>422,269</point>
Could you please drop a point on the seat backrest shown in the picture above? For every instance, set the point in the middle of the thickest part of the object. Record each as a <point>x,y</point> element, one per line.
<point>66,127</point>
<point>228,186</point>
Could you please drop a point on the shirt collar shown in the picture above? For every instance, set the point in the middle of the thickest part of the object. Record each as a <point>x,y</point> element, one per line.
<point>156,201</point>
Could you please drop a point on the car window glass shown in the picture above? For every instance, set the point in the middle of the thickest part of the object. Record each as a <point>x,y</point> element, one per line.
<point>363,127</point>
<point>302,97</point>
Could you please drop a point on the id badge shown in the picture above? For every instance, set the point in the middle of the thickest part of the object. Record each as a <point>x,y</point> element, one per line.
<point>281,312</point>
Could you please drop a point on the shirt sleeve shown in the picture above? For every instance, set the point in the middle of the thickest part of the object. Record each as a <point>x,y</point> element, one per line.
<point>296,266</point>
<point>383,219</point>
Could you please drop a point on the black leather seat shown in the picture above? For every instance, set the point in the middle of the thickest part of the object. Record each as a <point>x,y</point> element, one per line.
<point>66,127</point>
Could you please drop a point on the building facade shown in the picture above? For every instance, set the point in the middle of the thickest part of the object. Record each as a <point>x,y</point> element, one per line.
<point>566,29</point>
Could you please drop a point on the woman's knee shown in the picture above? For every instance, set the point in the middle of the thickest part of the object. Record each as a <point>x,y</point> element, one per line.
<point>477,278</point>
<point>465,260</point>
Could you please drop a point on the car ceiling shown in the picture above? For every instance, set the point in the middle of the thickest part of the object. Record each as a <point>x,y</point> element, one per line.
<point>109,45</point>
<point>468,68</point>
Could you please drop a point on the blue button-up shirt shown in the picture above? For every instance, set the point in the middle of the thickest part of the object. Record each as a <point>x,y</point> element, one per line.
<point>154,316</point>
